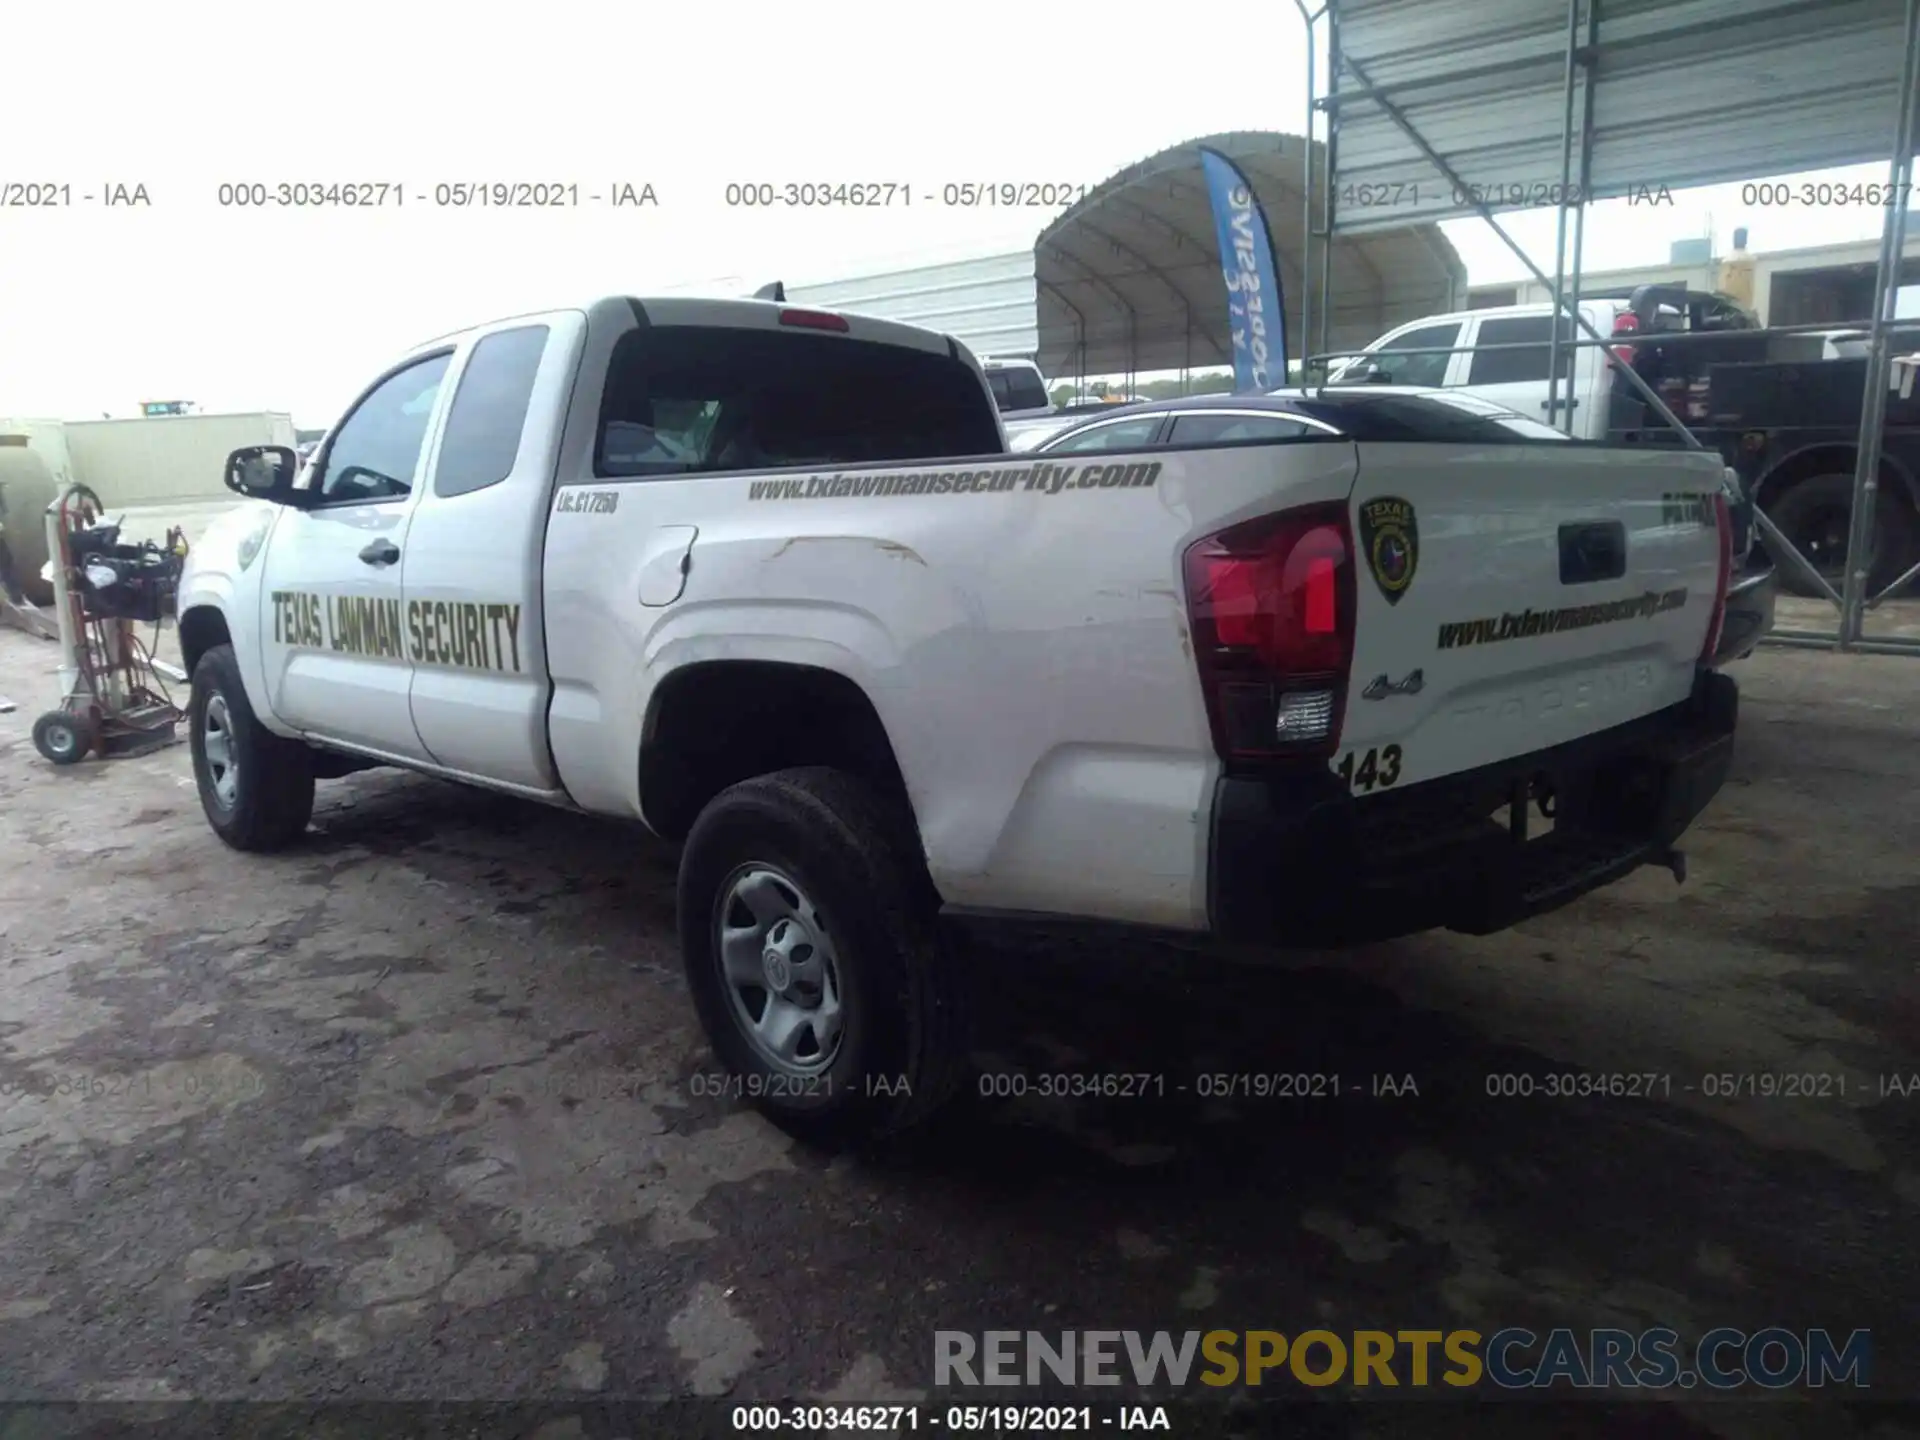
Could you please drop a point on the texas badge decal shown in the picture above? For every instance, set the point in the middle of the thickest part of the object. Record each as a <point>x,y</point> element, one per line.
<point>1391,538</point>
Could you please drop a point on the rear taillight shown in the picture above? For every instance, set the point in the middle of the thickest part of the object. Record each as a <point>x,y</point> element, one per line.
<point>1625,323</point>
<point>1272,607</point>
<point>1723,522</point>
<point>814,320</point>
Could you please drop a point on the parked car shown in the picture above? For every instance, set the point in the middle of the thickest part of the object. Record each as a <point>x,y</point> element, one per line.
<point>1224,419</point>
<point>877,678</point>
<point>1023,435</point>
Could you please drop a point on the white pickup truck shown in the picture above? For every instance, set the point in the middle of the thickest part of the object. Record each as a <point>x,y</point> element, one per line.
<point>766,580</point>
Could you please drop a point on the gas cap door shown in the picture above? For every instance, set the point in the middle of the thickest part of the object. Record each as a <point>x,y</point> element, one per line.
<point>665,563</point>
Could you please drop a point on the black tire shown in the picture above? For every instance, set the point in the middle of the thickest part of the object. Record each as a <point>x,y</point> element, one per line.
<point>1814,514</point>
<point>61,737</point>
<point>272,794</point>
<point>904,1046</point>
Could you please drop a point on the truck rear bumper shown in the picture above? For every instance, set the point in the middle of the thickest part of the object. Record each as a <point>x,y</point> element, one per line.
<point>1300,862</point>
<point>1750,610</point>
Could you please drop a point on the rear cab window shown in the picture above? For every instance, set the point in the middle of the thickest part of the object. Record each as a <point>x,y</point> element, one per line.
<point>683,400</point>
<point>1018,387</point>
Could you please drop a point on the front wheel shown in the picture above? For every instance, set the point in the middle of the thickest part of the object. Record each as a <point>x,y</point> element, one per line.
<point>255,787</point>
<point>807,926</point>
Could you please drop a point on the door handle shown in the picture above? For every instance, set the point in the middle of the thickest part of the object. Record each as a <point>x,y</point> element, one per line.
<point>1593,551</point>
<point>381,552</point>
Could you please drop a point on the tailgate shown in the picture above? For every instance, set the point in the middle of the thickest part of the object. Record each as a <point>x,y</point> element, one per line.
<point>1515,597</point>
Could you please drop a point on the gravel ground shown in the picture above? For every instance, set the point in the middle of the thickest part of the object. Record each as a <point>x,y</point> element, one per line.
<point>419,1110</point>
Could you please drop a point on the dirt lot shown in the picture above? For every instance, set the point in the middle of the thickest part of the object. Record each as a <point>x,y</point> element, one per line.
<point>419,1110</point>
<point>1895,620</point>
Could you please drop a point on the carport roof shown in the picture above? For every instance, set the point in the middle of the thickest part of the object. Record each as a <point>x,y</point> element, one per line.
<point>1128,280</point>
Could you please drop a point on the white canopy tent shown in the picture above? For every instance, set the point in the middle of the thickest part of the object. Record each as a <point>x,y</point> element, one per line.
<point>1129,282</point>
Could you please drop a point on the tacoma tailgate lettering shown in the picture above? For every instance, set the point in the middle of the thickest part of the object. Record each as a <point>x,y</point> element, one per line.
<point>1684,510</point>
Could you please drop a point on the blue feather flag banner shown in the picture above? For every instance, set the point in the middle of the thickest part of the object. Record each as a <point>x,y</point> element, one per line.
<point>1256,308</point>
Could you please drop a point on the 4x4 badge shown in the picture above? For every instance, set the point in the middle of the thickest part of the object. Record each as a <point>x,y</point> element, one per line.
<point>1380,687</point>
<point>1391,537</point>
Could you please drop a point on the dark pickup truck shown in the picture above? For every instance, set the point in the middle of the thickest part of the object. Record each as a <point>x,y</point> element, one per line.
<point>1795,440</point>
<point>1789,427</point>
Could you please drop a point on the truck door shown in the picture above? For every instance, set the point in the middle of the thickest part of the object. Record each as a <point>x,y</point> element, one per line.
<point>332,634</point>
<point>1517,379</point>
<point>471,576</point>
<point>1394,367</point>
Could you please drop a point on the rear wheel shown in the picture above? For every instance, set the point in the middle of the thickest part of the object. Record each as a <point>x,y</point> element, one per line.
<point>255,787</point>
<point>807,926</point>
<point>1816,514</point>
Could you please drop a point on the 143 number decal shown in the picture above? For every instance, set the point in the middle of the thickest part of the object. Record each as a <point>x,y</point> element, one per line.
<point>1370,769</point>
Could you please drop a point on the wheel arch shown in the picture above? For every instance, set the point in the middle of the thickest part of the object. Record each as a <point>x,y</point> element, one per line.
<point>201,628</point>
<point>713,723</point>
<point>1828,457</point>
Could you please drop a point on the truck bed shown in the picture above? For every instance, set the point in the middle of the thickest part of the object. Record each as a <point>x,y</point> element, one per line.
<point>1786,395</point>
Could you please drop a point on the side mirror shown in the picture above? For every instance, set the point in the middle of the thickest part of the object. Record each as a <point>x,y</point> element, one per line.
<point>265,472</point>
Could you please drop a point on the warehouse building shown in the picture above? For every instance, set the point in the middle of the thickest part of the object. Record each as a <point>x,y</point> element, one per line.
<point>987,303</point>
<point>149,461</point>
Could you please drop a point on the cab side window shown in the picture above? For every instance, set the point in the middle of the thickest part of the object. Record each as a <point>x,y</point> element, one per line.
<point>374,453</point>
<point>489,411</point>
<point>1508,367</point>
<point>1417,369</point>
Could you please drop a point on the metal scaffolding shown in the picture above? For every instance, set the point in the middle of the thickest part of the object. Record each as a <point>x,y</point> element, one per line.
<point>1351,89</point>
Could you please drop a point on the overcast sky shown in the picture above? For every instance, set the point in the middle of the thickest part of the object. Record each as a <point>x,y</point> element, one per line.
<point>102,308</point>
